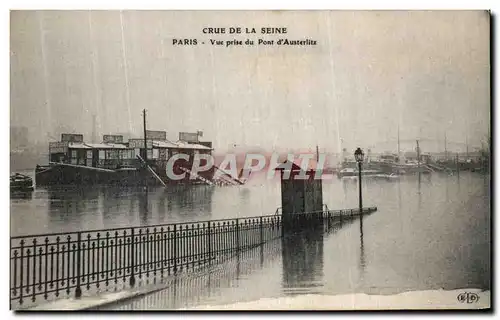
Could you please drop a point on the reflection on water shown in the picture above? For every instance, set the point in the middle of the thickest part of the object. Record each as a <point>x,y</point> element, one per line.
<point>428,233</point>
<point>21,195</point>
<point>81,208</point>
<point>362,260</point>
<point>302,256</point>
<point>144,208</point>
<point>204,287</point>
<point>69,208</point>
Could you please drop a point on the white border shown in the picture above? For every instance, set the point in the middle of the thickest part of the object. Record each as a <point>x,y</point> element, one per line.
<point>256,4</point>
<point>185,5</point>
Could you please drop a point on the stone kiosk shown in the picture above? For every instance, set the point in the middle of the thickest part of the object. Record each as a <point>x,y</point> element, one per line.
<point>301,195</point>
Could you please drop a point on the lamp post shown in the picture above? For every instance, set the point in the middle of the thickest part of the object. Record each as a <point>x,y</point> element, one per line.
<point>359,155</point>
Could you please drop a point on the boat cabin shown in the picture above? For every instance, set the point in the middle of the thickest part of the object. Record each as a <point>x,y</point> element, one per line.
<point>389,157</point>
<point>411,157</point>
<point>114,153</point>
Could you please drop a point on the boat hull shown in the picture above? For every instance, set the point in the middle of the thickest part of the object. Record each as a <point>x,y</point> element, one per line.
<point>401,169</point>
<point>61,174</point>
<point>349,174</point>
<point>21,183</point>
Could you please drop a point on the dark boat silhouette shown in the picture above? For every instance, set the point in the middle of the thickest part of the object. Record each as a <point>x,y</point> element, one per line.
<point>20,183</point>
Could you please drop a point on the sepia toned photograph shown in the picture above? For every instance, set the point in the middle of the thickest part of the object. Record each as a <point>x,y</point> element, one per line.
<point>250,160</point>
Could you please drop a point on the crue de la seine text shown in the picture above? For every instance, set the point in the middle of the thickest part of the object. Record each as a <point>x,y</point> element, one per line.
<point>234,36</point>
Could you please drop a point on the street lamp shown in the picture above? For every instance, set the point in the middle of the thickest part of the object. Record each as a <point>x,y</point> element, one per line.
<point>359,155</point>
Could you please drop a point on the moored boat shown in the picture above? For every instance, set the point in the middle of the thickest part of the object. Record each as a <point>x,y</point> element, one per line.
<point>349,172</point>
<point>21,183</point>
<point>381,176</point>
<point>151,160</point>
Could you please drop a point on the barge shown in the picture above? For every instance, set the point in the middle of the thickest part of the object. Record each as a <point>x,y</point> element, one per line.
<point>20,183</point>
<point>135,162</point>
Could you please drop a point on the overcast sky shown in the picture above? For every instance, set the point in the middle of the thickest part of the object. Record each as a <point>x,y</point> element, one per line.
<point>369,72</point>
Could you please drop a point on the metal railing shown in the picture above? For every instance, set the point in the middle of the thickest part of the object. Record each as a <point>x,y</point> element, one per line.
<point>67,264</point>
<point>57,265</point>
<point>181,292</point>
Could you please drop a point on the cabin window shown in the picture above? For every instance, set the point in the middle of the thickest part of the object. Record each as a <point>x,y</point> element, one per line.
<point>102,155</point>
<point>74,157</point>
<point>137,152</point>
<point>156,153</point>
<point>174,152</point>
<point>196,152</point>
<point>161,153</point>
<point>89,158</point>
<point>126,154</point>
<point>112,154</point>
<point>150,153</point>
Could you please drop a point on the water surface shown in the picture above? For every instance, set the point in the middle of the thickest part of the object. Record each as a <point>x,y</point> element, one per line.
<point>428,233</point>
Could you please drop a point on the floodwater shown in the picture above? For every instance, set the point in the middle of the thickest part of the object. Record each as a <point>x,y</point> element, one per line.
<point>428,233</point>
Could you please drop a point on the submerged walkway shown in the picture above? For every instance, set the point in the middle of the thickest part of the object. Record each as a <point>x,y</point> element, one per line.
<point>85,269</point>
<point>289,265</point>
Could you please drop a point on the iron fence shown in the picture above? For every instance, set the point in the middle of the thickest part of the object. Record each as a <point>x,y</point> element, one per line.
<point>51,266</point>
<point>195,288</point>
<point>202,288</point>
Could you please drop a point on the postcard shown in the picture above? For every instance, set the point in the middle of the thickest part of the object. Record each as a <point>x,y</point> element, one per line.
<point>250,160</point>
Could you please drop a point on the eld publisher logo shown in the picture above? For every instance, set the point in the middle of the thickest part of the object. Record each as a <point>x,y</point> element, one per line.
<point>468,297</point>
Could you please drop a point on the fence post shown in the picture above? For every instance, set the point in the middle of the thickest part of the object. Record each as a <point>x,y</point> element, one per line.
<point>209,243</point>
<point>78,290</point>
<point>261,234</point>
<point>175,248</point>
<point>237,235</point>
<point>132,258</point>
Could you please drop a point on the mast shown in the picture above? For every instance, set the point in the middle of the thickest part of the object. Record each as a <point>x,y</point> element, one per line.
<point>445,150</point>
<point>94,128</point>
<point>145,159</point>
<point>145,140</point>
<point>467,147</point>
<point>46,74</point>
<point>418,156</point>
<point>317,153</point>
<point>399,148</point>
<point>125,71</point>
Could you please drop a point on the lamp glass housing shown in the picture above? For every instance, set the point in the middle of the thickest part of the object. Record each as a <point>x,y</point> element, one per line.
<point>359,155</point>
